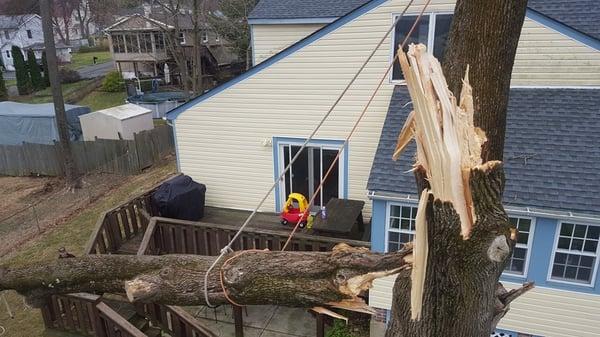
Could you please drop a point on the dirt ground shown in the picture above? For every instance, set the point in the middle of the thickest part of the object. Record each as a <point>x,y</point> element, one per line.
<point>33,205</point>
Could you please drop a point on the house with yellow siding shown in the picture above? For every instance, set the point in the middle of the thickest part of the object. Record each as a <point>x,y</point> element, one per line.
<point>238,137</point>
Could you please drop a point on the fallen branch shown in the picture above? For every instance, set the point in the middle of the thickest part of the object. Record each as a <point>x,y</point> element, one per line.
<point>299,279</point>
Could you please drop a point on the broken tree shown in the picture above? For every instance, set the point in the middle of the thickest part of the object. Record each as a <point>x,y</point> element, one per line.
<point>463,239</point>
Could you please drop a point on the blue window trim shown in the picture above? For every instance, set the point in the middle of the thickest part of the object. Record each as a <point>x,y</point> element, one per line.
<point>367,7</point>
<point>563,29</point>
<point>285,140</point>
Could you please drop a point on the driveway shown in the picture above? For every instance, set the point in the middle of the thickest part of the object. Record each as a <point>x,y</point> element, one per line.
<point>96,70</point>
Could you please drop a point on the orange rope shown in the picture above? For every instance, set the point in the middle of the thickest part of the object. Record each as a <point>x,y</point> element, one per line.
<point>337,157</point>
<point>222,277</point>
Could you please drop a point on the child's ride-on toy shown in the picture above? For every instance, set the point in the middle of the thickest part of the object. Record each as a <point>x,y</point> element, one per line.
<point>295,210</point>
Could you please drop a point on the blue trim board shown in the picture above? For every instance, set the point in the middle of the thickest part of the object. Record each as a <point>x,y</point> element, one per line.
<point>378,226</point>
<point>563,29</point>
<point>284,140</point>
<point>173,114</point>
<point>540,260</point>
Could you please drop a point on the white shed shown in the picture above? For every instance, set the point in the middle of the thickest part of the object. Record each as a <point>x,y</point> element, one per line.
<point>120,122</point>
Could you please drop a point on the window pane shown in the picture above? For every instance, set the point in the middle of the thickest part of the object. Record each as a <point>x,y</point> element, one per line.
<point>558,271</point>
<point>524,225</point>
<point>593,232</point>
<point>580,231</point>
<point>590,246</point>
<point>584,274</point>
<point>395,211</point>
<point>393,236</point>
<point>587,261</point>
<point>518,266</point>
<point>573,260</point>
<point>566,229</point>
<point>577,244</point>
<point>520,253</point>
<point>523,238</point>
<point>406,212</point>
<point>571,272</point>
<point>405,224</point>
<point>419,35</point>
<point>413,212</point>
<point>564,243</point>
<point>394,223</point>
<point>442,28</point>
<point>560,258</point>
<point>393,246</point>
<point>405,238</point>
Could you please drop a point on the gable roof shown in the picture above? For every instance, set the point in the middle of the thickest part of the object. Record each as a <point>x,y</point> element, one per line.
<point>551,157</point>
<point>582,15</point>
<point>303,9</point>
<point>14,21</point>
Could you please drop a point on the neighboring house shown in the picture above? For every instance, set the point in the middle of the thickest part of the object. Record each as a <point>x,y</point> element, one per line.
<point>139,46</point>
<point>63,52</point>
<point>238,137</point>
<point>76,34</point>
<point>22,31</point>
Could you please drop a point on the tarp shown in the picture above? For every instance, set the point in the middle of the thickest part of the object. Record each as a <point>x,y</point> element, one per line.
<point>180,198</point>
<point>36,123</point>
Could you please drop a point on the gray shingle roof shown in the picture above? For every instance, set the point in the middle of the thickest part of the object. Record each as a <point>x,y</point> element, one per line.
<point>13,21</point>
<point>582,15</point>
<point>296,9</point>
<point>552,151</point>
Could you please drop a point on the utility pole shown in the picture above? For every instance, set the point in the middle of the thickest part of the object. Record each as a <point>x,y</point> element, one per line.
<point>59,103</point>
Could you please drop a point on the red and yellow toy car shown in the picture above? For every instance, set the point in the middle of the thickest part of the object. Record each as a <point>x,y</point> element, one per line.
<point>294,210</point>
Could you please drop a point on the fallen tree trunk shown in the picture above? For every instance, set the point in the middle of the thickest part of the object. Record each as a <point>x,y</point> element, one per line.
<point>299,279</point>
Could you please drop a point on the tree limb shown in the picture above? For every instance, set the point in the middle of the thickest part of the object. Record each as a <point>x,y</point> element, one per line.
<point>300,279</point>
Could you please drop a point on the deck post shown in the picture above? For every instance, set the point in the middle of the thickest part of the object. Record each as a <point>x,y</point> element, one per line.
<point>239,321</point>
<point>320,325</point>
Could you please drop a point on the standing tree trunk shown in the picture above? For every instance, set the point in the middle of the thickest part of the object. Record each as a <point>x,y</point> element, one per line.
<point>484,35</point>
<point>59,104</point>
<point>460,296</point>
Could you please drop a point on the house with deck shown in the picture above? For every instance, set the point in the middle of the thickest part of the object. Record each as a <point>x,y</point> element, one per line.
<point>140,46</point>
<point>238,137</point>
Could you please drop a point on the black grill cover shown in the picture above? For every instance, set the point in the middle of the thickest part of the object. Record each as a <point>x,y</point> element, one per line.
<point>180,198</point>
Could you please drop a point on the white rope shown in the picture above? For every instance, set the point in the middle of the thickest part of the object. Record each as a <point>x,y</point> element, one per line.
<point>227,249</point>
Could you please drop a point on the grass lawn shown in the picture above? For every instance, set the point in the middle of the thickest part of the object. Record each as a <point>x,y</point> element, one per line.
<point>73,233</point>
<point>80,60</point>
<point>10,83</point>
<point>98,100</point>
<point>45,96</point>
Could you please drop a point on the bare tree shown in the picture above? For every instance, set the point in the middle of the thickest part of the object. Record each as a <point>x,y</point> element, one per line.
<point>62,18</point>
<point>84,16</point>
<point>447,280</point>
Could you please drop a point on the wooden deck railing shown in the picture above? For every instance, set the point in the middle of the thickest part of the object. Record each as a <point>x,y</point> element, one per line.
<point>171,236</point>
<point>174,320</point>
<point>85,314</point>
<point>120,224</point>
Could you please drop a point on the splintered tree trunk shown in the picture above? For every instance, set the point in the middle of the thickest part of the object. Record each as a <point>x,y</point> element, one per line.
<point>461,295</point>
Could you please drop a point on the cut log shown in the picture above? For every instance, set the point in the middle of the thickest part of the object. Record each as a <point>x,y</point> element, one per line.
<point>299,279</point>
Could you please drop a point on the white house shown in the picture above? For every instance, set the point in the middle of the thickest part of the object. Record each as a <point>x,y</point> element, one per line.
<point>22,31</point>
<point>238,137</point>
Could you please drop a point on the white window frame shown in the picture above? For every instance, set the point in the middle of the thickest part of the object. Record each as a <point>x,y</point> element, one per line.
<point>555,250</point>
<point>182,38</point>
<point>388,209</point>
<point>529,247</point>
<point>8,54</point>
<point>430,38</point>
<point>325,146</point>
<point>204,36</point>
<point>7,34</point>
<point>29,34</point>
<point>217,38</point>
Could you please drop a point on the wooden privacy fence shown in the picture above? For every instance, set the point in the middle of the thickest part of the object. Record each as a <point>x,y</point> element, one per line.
<point>106,155</point>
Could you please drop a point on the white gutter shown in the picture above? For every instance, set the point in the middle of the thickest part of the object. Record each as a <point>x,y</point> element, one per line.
<point>509,209</point>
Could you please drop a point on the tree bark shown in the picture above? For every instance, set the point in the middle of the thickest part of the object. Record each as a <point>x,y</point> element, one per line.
<point>462,296</point>
<point>299,279</point>
<point>484,36</point>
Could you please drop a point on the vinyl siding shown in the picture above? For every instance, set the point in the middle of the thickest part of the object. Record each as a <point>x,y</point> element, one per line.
<point>220,141</point>
<point>545,57</point>
<point>269,40</point>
